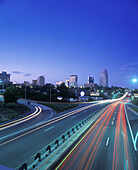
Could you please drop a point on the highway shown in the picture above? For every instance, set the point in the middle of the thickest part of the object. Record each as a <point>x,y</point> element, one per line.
<point>111,143</point>
<point>20,141</point>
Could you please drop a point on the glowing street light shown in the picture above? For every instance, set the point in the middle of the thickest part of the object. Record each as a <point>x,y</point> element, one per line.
<point>82,93</point>
<point>134,80</point>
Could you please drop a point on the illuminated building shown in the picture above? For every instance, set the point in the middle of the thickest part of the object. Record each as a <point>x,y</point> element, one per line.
<point>104,78</point>
<point>73,80</point>
<point>90,80</point>
<point>67,82</point>
<point>58,83</point>
<point>34,82</point>
<point>40,81</point>
<point>4,77</point>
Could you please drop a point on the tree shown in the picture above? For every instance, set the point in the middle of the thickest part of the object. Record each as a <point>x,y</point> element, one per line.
<point>10,95</point>
<point>63,90</point>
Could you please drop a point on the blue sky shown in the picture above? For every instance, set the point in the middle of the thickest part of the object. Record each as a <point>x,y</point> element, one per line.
<point>58,38</point>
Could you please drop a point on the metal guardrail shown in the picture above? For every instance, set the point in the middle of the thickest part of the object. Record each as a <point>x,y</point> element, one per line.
<point>32,162</point>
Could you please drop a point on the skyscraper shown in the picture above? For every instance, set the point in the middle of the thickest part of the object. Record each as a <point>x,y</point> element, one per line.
<point>40,81</point>
<point>90,80</point>
<point>104,78</point>
<point>73,80</point>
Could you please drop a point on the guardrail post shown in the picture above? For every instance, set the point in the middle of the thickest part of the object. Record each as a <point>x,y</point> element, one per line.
<point>63,137</point>
<point>73,130</point>
<point>38,155</point>
<point>57,143</point>
<point>48,149</point>
<point>68,134</point>
<point>23,167</point>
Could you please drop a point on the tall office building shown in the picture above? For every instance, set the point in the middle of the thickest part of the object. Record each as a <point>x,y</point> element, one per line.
<point>90,80</point>
<point>104,78</point>
<point>40,81</point>
<point>73,80</point>
<point>4,77</point>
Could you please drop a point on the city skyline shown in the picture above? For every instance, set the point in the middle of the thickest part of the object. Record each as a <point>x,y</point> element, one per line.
<point>56,39</point>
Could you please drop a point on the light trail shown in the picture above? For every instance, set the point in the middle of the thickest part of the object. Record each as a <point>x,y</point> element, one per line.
<point>96,132</point>
<point>51,121</point>
<point>15,122</point>
<point>121,128</point>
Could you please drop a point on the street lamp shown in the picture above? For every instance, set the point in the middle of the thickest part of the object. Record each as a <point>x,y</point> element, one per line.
<point>134,80</point>
<point>50,92</point>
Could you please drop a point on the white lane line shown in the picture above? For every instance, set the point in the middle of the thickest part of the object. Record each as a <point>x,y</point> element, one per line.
<point>49,128</point>
<point>112,122</point>
<point>136,137</point>
<point>72,117</point>
<point>107,141</point>
<point>126,167</point>
<point>134,140</point>
<point>20,130</point>
<point>114,118</point>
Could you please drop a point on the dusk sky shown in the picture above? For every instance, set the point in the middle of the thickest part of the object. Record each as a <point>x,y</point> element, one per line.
<point>58,38</point>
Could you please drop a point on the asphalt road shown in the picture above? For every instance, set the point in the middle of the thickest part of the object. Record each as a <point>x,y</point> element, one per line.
<point>111,143</point>
<point>18,143</point>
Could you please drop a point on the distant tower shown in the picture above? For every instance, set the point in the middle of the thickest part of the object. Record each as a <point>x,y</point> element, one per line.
<point>90,80</point>
<point>104,78</point>
<point>67,82</point>
<point>40,81</point>
<point>73,80</point>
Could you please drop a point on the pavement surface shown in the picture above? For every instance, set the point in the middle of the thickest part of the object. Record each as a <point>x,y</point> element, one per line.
<point>110,143</point>
<point>19,142</point>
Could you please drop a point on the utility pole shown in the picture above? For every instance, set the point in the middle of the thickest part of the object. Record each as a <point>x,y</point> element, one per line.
<point>50,93</point>
<point>25,92</point>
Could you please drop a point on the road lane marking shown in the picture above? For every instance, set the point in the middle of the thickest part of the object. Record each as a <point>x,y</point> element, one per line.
<point>112,122</point>
<point>53,121</point>
<point>48,123</point>
<point>134,140</point>
<point>49,128</point>
<point>72,117</point>
<point>114,118</point>
<point>126,167</point>
<point>136,137</point>
<point>107,141</point>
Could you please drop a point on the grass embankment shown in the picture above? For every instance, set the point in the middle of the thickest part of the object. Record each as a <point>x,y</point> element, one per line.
<point>135,109</point>
<point>11,111</point>
<point>59,107</point>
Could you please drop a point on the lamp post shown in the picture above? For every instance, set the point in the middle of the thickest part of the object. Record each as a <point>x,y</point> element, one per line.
<point>25,92</point>
<point>50,93</point>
